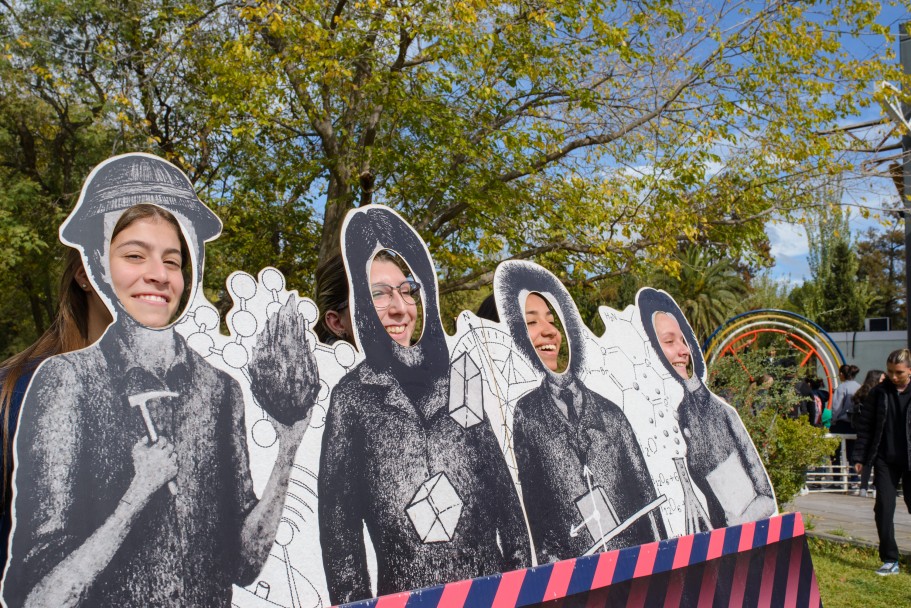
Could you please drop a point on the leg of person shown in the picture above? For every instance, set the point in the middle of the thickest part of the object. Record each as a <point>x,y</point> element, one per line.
<point>906,489</point>
<point>885,481</point>
<point>849,447</point>
<point>865,479</point>
<point>836,457</point>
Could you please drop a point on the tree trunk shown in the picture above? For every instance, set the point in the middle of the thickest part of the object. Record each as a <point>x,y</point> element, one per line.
<point>338,201</point>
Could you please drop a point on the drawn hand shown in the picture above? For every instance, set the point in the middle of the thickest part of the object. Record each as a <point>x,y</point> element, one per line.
<point>283,373</point>
<point>154,465</point>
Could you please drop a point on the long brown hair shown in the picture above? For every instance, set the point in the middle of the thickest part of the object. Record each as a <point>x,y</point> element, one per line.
<point>69,329</point>
<point>869,384</point>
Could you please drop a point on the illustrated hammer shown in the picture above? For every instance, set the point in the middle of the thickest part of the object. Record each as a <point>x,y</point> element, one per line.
<point>141,401</point>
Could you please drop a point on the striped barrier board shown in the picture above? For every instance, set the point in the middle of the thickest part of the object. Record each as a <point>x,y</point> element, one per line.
<point>763,563</point>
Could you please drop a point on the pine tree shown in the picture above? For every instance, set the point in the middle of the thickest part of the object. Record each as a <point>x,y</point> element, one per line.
<point>881,263</point>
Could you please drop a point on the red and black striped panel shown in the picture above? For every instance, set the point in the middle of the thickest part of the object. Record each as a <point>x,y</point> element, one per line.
<point>764,563</point>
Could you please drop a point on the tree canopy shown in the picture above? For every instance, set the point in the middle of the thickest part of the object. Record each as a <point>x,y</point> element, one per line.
<point>707,290</point>
<point>837,296</point>
<point>595,137</point>
<point>881,264</point>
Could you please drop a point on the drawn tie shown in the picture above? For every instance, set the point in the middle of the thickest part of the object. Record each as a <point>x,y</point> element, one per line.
<point>566,396</point>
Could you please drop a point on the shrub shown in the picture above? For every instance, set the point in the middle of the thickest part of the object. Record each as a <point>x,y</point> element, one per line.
<point>761,387</point>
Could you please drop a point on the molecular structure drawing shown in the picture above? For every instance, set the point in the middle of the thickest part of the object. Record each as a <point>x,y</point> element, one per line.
<point>293,574</point>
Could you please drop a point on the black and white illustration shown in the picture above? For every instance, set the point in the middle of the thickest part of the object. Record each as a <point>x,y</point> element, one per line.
<point>293,574</point>
<point>504,375</point>
<point>171,464</point>
<point>410,466</point>
<point>625,368</point>
<point>585,483</point>
<point>721,460</point>
<point>133,485</point>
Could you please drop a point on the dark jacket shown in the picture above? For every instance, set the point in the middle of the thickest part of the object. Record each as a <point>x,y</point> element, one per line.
<point>380,448</point>
<point>15,404</point>
<point>74,464</point>
<point>566,466</point>
<point>872,423</point>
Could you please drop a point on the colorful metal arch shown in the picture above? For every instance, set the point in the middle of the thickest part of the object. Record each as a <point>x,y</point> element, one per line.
<point>800,333</point>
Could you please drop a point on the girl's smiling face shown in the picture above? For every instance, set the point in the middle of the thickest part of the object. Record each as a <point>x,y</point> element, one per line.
<point>673,344</point>
<point>542,330</point>
<point>146,272</point>
<point>399,315</point>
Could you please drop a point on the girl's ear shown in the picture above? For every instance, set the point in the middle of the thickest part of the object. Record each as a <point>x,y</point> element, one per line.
<point>334,323</point>
<point>82,278</point>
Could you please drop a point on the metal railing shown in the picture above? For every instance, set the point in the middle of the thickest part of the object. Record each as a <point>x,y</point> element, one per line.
<point>838,476</point>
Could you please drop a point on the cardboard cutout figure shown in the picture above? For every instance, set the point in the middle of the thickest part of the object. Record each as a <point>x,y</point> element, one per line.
<point>409,472</point>
<point>585,484</point>
<point>721,459</point>
<point>625,368</point>
<point>433,493</point>
<point>132,485</point>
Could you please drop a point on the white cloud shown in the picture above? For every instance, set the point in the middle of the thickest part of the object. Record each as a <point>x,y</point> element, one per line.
<point>787,240</point>
<point>790,270</point>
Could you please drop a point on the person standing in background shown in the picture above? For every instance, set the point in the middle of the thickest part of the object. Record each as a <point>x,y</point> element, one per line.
<point>874,377</point>
<point>843,407</point>
<point>842,402</point>
<point>883,441</point>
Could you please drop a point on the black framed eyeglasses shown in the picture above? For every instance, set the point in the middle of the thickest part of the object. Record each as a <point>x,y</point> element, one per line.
<point>410,291</point>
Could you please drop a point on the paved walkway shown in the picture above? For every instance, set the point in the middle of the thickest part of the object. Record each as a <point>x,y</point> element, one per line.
<point>846,518</point>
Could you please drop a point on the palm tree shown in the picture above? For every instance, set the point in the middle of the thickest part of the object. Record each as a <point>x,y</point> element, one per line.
<point>708,290</point>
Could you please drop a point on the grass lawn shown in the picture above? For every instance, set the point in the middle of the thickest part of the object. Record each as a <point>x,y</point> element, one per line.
<point>846,577</point>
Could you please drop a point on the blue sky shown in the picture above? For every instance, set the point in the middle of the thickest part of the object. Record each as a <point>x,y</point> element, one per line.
<point>789,241</point>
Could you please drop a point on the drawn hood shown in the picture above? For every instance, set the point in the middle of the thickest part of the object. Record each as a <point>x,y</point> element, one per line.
<point>118,184</point>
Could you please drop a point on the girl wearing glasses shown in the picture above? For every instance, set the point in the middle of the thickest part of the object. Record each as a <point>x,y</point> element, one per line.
<point>432,490</point>
<point>395,299</point>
